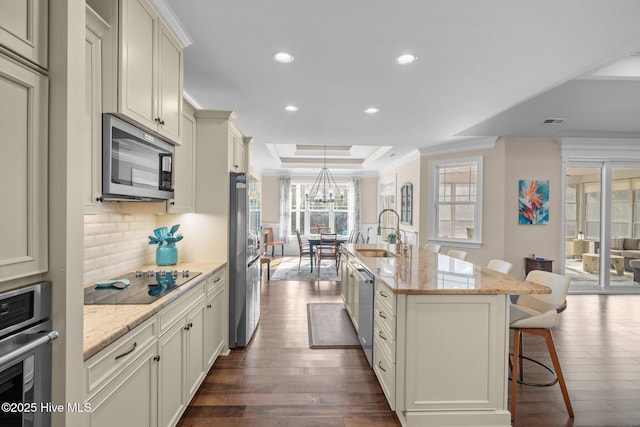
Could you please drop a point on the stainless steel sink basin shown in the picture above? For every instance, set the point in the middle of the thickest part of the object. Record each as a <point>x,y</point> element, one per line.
<point>376,253</point>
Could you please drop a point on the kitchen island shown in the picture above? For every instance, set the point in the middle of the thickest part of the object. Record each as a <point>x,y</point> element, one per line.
<point>441,342</point>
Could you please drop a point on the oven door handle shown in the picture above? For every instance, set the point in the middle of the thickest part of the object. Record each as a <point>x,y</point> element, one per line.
<point>18,352</point>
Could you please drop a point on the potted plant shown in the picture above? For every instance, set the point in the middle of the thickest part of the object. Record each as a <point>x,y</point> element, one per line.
<point>165,238</point>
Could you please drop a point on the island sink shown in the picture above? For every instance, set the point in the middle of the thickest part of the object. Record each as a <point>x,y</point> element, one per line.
<point>376,253</point>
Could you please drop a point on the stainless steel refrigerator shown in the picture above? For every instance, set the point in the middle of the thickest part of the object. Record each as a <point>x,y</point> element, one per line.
<point>244,259</point>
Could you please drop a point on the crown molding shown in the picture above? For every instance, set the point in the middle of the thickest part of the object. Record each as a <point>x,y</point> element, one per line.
<point>172,21</point>
<point>474,144</point>
<point>400,161</point>
<point>590,149</point>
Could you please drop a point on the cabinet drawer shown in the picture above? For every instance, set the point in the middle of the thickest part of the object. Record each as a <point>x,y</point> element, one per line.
<point>104,366</point>
<point>385,319</point>
<point>177,309</point>
<point>385,297</point>
<point>385,343</point>
<point>385,371</point>
<point>216,281</point>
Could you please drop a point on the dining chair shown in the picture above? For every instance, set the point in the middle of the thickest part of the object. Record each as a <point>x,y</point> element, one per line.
<point>432,247</point>
<point>537,314</point>
<point>458,254</point>
<point>327,249</point>
<point>500,266</point>
<point>305,248</point>
<point>271,241</point>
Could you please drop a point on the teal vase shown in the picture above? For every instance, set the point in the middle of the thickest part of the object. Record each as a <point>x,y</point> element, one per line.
<point>167,254</point>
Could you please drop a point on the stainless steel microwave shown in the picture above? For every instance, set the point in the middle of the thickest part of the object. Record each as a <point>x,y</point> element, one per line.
<point>135,164</point>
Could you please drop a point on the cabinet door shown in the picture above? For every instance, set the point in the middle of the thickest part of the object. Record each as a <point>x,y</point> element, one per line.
<point>93,111</point>
<point>23,169</point>
<point>169,84</point>
<point>131,399</point>
<point>195,349</point>
<point>23,29</point>
<point>214,340</point>
<point>238,154</point>
<point>171,399</point>
<point>138,62</point>
<point>184,169</point>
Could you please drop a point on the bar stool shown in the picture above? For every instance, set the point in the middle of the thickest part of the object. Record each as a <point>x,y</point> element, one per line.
<point>537,314</point>
<point>266,260</point>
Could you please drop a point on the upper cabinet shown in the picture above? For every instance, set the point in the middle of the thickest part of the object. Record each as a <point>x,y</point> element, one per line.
<point>143,79</point>
<point>23,29</point>
<point>23,169</point>
<point>184,166</point>
<point>95,28</point>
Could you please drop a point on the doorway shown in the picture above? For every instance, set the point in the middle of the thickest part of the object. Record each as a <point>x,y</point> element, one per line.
<point>602,226</point>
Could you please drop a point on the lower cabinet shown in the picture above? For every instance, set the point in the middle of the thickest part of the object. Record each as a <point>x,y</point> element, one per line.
<point>121,380</point>
<point>181,368</point>
<point>149,376</point>
<point>214,318</point>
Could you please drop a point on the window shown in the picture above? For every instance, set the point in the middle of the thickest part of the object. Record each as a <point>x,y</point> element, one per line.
<point>312,218</point>
<point>456,200</point>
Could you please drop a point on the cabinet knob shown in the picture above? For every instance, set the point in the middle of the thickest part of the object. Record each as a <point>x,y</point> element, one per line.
<point>162,122</point>
<point>208,305</point>
<point>157,120</point>
<point>172,203</point>
<point>156,358</point>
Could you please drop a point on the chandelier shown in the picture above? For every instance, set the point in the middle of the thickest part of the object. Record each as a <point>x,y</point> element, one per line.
<point>324,189</point>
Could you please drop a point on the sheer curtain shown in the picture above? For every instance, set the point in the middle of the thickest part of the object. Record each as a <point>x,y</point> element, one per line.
<point>354,212</point>
<point>285,208</point>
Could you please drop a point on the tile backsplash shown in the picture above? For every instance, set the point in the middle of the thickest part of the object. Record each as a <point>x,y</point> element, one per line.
<point>115,242</point>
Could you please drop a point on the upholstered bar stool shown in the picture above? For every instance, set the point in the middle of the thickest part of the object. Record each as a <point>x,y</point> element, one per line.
<point>537,314</point>
<point>458,254</point>
<point>432,247</point>
<point>500,266</point>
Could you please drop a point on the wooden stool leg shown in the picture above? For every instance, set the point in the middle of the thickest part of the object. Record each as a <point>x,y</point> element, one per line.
<point>268,271</point>
<point>556,365</point>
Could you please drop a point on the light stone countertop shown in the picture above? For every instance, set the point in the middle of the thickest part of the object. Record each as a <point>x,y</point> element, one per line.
<point>424,272</point>
<point>105,323</point>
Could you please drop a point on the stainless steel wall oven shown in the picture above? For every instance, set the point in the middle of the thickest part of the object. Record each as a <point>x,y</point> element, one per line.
<point>25,356</point>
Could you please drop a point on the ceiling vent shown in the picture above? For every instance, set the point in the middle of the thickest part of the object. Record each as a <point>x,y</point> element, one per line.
<point>554,121</point>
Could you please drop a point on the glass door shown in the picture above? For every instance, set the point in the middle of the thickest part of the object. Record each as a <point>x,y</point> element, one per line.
<point>602,226</point>
<point>582,226</point>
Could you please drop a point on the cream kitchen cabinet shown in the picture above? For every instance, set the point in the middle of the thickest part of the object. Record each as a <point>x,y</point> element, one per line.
<point>143,78</point>
<point>216,137</point>
<point>24,29</point>
<point>181,352</point>
<point>216,316</point>
<point>121,380</point>
<point>95,28</point>
<point>350,285</point>
<point>23,166</point>
<point>184,165</point>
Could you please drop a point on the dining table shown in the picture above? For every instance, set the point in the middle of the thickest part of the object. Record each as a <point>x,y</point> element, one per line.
<point>314,240</point>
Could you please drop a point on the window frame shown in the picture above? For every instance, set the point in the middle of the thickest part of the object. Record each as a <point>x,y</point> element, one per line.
<point>434,199</point>
<point>330,208</point>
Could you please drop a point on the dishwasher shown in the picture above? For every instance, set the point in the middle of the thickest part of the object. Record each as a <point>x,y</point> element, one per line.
<point>365,311</point>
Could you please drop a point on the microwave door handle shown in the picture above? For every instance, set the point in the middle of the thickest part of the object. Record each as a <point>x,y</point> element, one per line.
<point>166,171</point>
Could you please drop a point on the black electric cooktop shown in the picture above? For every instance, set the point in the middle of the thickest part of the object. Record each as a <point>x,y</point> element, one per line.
<point>145,288</point>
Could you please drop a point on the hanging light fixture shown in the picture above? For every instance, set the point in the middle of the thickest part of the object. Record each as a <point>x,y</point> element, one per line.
<point>324,189</point>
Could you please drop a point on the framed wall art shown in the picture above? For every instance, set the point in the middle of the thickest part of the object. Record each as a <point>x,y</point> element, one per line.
<point>533,202</point>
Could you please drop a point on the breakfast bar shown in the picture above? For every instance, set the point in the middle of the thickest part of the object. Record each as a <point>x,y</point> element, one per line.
<point>440,346</point>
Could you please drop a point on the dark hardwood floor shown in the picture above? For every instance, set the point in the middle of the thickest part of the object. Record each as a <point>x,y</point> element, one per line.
<point>278,381</point>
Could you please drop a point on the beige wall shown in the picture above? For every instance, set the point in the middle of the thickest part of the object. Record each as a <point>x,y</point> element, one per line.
<point>492,204</point>
<point>511,160</point>
<point>205,236</point>
<point>409,172</point>
<point>532,158</point>
<point>270,199</point>
<point>368,200</point>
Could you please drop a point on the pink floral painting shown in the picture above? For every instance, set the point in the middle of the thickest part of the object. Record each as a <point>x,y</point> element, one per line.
<point>533,203</point>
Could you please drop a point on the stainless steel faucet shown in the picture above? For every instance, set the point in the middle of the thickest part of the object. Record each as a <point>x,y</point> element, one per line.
<point>397,229</point>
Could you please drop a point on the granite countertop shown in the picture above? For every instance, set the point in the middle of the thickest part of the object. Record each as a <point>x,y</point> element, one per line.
<point>105,323</point>
<point>426,272</point>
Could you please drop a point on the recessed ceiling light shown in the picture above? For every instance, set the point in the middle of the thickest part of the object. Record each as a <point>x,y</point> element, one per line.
<point>371,110</point>
<point>283,57</point>
<point>291,108</point>
<point>407,58</point>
